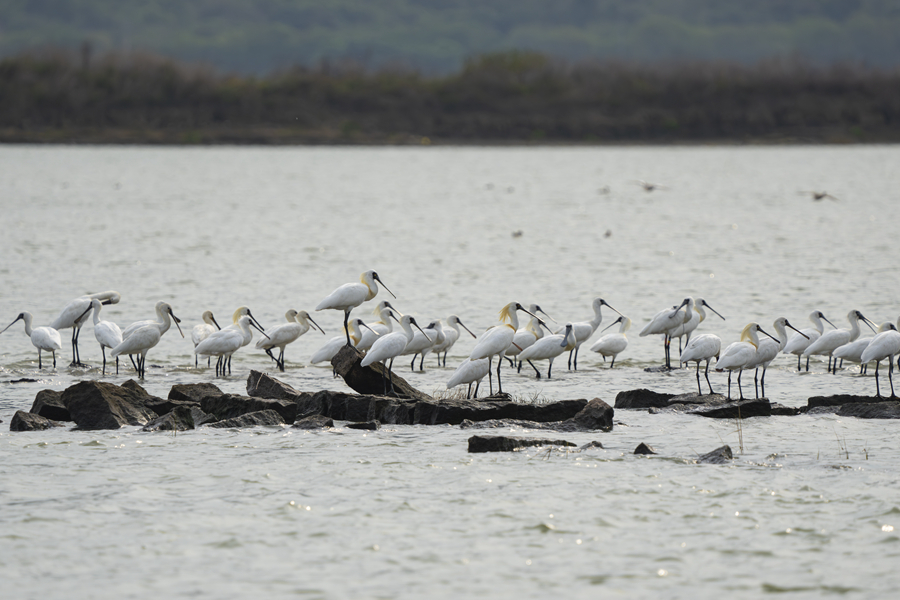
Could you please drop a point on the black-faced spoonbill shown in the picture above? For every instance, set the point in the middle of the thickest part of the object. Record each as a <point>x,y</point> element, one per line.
<point>663,322</point>
<point>282,335</point>
<point>497,339</point>
<point>852,352</point>
<point>549,347</point>
<point>107,333</point>
<point>694,315</point>
<point>388,347</point>
<point>43,338</point>
<point>613,344</point>
<point>422,343</point>
<point>74,315</point>
<point>350,295</point>
<point>703,347</point>
<point>798,343</point>
<point>202,331</point>
<point>884,345</point>
<point>469,372</point>
<point>829,342</point>
<point>451,335</point>
<point>333,346</point>
<point>583,330</point>
<point>739,355</point>
<point>766,352</point>
<point>226,342</point>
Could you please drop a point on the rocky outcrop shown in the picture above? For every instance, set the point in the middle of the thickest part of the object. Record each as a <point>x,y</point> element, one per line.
<point>193,392</point>
<point>369,380</point>
<point>49,404</point>
<point>642,398</point>
<point>367,426</point>
<point>596,414</point>
<point>314,422</point>
<point>871,410</point>
<point>102,405</point>
<point>719,456</point>
<point>180,419</point>
<point>261,385</point>
<point>253,419</point>
<point>500,443</point>
<point>228,406</point>
<point>643,448</point>
<point>27,421</point>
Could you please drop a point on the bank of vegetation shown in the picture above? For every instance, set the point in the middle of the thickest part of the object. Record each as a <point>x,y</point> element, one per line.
<point>514,97</point>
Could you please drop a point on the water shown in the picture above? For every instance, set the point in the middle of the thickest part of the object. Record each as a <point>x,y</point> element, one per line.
<point>810,507</point>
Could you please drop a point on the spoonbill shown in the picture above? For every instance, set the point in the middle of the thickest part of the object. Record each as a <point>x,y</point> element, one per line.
<point>884,345</point>
<point>829,342</point>
<point>164,318</point>
<point>612,344</point>
<point>451,335</point>
<point>497,339</point>
<point>107,333</point>
<point>390,346</point>
<point>74,315</point>
<point>380,327</point>
<point>470,371</point>
<point>549,347</point>
<point>43,338</point>
<point>527,335</point>
<point>694,315</point>
<point>350,295</point>
<point>798,343</point>
<point>852,351</point>
<point>703,347</point>
<point>663,322</point>
<point>333,346</point>
<point>297,324</point>
<point>739,355</point>
<point>203,331</point>
<point>583,330</point>
<point>140,340</point>
<point>225,342</point>
<point>422,343</point>
<point>766,352</point>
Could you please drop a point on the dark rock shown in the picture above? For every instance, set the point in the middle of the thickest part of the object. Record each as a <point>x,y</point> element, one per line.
<point>135,387</point>
<point>23,380</point>
<point>49,404</point>
<point>644,449</point>
<point>102,405</point>
<point>262,385</point>
<point>454,412</point>
<point>253,419</point>
<point>193,392</point>
<point>596,414</point>
<point>699,399</point>
<point>201,418</point>
<point>478,443</point>
<point>719,456</point>
<point>787,411</point>
<point>369,380</point>
<point>589,445</point>
<point>737,409</point>
<point>229,406</point>
<point>642,398</point>
<point>841,399</point>
<point>367,426</point>
<point>871,410</point>
<point>163,407</point>
<point>314,422</point>
<point>26,421</point>
<point>180,419</point>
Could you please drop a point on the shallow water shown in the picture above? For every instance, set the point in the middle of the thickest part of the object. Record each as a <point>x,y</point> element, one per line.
<point>809,508</point>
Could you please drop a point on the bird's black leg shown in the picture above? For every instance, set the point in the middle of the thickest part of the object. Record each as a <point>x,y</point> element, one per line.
<point>729,384</point>
<point>706,372</point>
<point>117,365</point>
<point>346,327</point>
<point>422,363</point>
<point>536,372</point>
<point>891,376</point>
<point>571,352</point>
<point>469,391</point>
<point>551,366</point>
<point>40,366</point>
<point>391,375</point>
<point>133,364</point>
<point>799,368</point>
<point>614,362</point>
<point>412,365</point>
<point>877,387</point>
<point>490,379</point>
<point>741,372</point>
<point>477,383</point>
<point>499,384</point>
<point>756,381</point>
<point>103,350</point>
<point>762,382</point>
<point>574,362</point>
<point>807,363</point>
<point>699,389</point>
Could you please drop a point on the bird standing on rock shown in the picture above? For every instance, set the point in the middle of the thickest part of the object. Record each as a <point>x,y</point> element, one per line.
<point>350,295</point>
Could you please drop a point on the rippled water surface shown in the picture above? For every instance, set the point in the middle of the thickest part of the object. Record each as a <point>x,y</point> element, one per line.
<point>810,508</point>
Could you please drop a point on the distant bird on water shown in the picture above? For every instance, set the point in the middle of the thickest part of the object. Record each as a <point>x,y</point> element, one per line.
<point>819,195</point>
<point>649,187</point>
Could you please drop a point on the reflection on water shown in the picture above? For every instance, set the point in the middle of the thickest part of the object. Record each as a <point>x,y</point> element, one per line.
<point>273,229</point>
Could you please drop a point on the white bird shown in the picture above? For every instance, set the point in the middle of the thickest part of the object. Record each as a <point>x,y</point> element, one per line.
<point>74,315</point>
<point>798,343</point>
<point>422,343</point>
<point>852,351</point>
<point>140,340</point>
<point>549,347</point>
<point>164,318</point>
<point>767,351</point>
<point>663,322</point>
<point>613,344</point>
<point>380,327</point>
<point>829,342</point>
<point>497,339</point>
<point>107,333</point>
<point>297,324</point>
<point>333,346</point>
<point>203,331</point>
<point>739,355</point>
<point>526,336</point>
<point>694,315</point>
<point>239,312</point>
<point>43,338</point>
<point>703,347</point>
<point>884,345</point>
<point>470,371</point>
<point>451,335</point>
<point>350,295</point>
<point>225,342</point>
<point>583,330</point>
<point>390,346</point>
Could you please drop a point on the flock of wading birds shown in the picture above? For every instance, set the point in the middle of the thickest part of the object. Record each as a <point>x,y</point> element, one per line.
<point>379,341</point>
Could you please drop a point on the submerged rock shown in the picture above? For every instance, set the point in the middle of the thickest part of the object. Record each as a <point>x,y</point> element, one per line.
<point>478,443</point>
<point>871,410</point>
<point>49,404</point>
<point>180,419</point>
<point>26,421</point>
<point>314,422</point>
<point>644,449</point>
<point>228,406</point>
<point>253,419</point>
<point>102,405</point>
<point>719,456</point>
<point>596,414</point>
<point>367,426</point>
<point>736,409</point>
